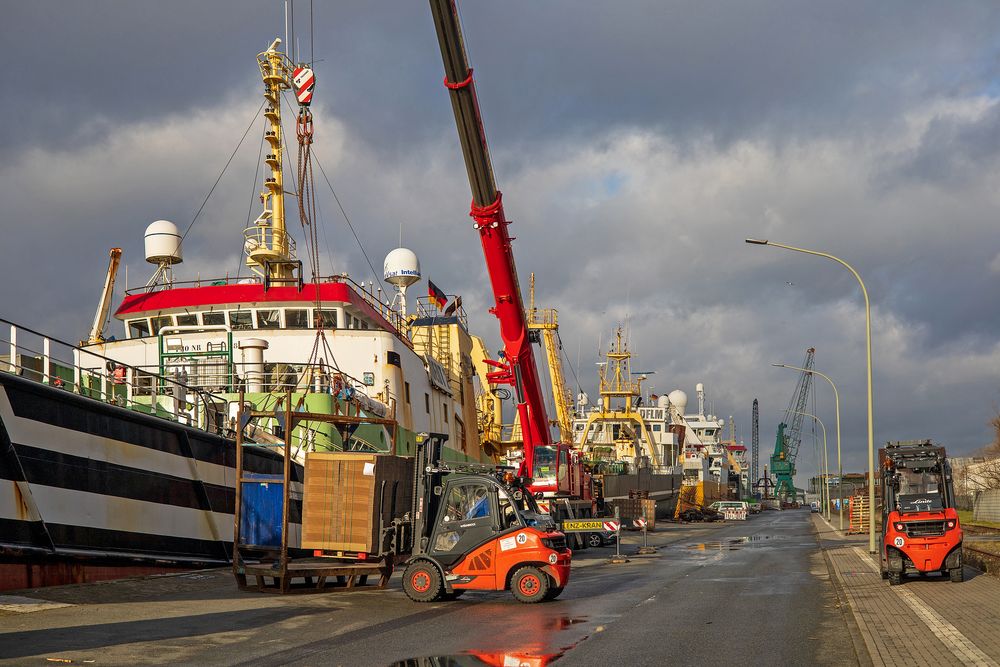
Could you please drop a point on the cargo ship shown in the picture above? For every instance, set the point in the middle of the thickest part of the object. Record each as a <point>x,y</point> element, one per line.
<point>634,449</point>
<point>711,467</point>
<point>117,454</point>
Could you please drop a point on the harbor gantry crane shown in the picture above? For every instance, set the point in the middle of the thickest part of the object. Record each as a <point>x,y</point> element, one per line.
<point>786,443</point>
<point>555,467</point>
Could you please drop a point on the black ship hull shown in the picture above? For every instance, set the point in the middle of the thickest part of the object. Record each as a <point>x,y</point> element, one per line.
<point>90,490</point>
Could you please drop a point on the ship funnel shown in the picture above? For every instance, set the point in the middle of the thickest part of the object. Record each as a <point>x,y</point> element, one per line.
<point>253,362</point>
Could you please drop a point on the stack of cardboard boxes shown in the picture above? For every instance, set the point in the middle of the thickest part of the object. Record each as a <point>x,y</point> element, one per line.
<point>349,496</point>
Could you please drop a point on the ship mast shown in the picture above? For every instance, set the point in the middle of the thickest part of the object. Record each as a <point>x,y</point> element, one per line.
<point>269,249</point>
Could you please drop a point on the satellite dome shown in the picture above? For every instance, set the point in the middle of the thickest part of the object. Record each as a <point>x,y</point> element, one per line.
<point>699,387</point>
<point>163,243</point>
<point>663,401</point>
<point>678,399</point>
<point>401,268</point>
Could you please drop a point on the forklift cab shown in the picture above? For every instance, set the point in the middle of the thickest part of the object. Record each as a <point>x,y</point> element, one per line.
<point>920,531</point>
<point>473,509</point>
<point>478,527</point>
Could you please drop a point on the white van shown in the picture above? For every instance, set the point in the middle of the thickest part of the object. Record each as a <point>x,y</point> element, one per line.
<point>723,505</point>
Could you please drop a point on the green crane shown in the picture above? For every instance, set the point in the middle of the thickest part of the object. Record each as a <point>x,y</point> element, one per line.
<point>786,444</point>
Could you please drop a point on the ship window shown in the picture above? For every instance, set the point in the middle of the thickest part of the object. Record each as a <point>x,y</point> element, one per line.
<point>656,427</point>
<point>240,320</point>
<point>427,403</point>
<point>213,319</point>
<point>406,386</point>
<point>187,320</point>
<point>296,318</point>
<point>138,328</point>
<point>160,322</point>
<point>327,317</point>
<point>445,406</point>
<point>364,325</point>
<point>268,319</point>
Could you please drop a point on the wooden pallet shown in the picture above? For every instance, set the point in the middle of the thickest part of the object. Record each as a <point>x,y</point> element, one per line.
<point>313,575</point>
<point>859,515</point>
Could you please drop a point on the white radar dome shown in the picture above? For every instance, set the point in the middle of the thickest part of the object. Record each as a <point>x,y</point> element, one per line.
<point>678,399</point>
<point>163,243</point>
<point>401,268</point>
<point>699,387</point>
<point>663,402</point>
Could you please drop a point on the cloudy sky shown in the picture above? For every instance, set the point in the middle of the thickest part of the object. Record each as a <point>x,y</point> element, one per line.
<point>637,144</point>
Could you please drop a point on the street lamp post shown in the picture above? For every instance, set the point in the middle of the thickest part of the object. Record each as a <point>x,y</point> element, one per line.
<point>868,349</point>
<point>840,466</point>
<point>825,467</point>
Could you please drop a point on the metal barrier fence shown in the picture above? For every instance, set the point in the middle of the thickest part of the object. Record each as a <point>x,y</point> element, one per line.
<point>40,358</point>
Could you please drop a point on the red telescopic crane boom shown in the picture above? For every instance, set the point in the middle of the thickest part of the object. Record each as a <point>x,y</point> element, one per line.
<point>518,368</point>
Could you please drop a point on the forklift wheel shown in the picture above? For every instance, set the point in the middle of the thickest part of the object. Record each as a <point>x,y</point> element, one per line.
<point>422,582</point>
<point>895,578</point>
<point>957,574</point>
<point>529,584</point>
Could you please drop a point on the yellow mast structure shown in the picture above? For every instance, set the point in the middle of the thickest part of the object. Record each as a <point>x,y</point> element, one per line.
<point>618,392</point>
<point>270,250</point>
<point>546,321</point>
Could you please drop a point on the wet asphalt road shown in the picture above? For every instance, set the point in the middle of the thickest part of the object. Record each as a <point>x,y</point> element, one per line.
<point>740,593</point>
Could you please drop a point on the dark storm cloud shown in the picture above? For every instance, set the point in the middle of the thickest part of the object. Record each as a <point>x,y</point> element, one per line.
<point>554,69</point>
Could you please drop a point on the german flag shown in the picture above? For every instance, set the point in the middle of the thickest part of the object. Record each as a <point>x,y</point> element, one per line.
<point>437,296</point>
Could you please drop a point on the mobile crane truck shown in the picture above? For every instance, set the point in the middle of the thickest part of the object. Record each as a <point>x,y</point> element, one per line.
<point>557,469</point>
<point>920,528</point>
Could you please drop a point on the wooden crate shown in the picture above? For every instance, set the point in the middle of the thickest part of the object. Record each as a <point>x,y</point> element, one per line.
<point>630,509</point>
<point>341,499</point>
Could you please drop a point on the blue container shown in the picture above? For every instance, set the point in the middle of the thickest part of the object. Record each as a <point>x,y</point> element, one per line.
<point>260,511</point>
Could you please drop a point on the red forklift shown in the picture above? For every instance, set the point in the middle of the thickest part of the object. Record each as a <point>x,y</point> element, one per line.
<point>920,528</point>
<point>477,527</point>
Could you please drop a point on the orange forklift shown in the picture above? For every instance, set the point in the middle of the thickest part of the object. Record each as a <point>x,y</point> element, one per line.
<point>920,528</point>
<point>477,527</point>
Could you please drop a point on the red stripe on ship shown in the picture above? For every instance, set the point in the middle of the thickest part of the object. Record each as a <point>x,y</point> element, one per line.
<point>244,296</point>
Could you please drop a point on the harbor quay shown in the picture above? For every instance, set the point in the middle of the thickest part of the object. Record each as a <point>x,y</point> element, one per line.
<point>784,585</point>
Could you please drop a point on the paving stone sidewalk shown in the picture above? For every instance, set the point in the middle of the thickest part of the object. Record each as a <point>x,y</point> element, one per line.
<point>928,621</point>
